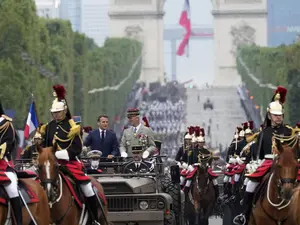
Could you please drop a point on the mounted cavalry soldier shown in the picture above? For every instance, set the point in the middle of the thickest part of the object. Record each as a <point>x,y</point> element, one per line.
<point>138,136</point>
<point>30,152</point>
<point>273,125</point>
<point>200,156</point>
<point>64,135</point>
<point>182,161</point>
<point>233,151</point>
<point>8,143</point>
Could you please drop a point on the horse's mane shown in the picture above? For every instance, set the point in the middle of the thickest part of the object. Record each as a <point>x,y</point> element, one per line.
<point>287,156</point>
<point>47,154</point>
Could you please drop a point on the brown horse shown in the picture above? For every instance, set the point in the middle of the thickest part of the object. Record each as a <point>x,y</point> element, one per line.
<point>39,210</point>
<point>63,205</point>
<point>273,206</point>
<point>203,195</point>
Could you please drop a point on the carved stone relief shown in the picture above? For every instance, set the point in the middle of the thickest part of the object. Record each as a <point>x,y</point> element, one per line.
<point>242,34</point>
<point>134,32</point>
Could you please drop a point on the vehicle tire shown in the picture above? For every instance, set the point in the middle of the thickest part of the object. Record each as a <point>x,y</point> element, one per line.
<point>174,191</point>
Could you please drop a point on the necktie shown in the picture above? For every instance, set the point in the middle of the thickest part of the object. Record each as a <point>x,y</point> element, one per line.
<point>102,137</point>
<point>134,130</point>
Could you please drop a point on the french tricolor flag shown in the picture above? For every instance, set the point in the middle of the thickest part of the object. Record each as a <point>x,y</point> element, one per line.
<point>185,22</point>
<point>32,121</point>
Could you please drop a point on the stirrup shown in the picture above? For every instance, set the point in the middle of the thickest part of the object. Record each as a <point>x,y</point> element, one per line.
<point>239,219</point>
<point>95,223</point>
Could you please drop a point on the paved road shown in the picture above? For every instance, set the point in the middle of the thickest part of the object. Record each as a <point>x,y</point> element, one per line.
<point>225,116</point>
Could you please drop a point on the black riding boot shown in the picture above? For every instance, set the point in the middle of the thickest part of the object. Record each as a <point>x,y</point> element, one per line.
<point>17,208</point>
<point>229,189</point>
<point>93,205</point>
<point>216,187</point>
<point>244,217</point>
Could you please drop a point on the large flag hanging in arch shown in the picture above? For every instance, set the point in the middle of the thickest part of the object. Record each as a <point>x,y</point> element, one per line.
<point>32,121</point>
<point>185,22</point>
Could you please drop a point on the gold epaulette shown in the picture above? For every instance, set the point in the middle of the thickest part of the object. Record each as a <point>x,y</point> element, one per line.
<point>7,117</point>
<point>75,129</point>
<point>252,137</point>
<point>43,129</point>
<point>288,126</point>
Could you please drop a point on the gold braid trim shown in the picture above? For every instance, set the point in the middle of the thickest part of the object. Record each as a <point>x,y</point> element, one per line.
<point>43,129</point>
<point>75,129</point>
<point>3,150</point>
<point>7,118</point>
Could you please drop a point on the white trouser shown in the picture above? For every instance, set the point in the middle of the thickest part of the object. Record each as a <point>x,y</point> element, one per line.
<point>251,186</point>
<point>237,177</point>
<point>215,182</point>
<point>182,180</point>
<point>188,183</point>
<point>12,188</point>
<point>87,189</point>
<point>226,179</point>
<point>246,181</point>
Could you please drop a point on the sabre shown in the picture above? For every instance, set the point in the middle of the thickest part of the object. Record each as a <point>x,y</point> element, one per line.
<point>26,206</point>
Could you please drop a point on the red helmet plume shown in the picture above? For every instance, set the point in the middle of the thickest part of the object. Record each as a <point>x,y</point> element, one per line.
<point>280,94</point>
<point>197,131</point>
<point>202,132</point>
<point>191,130</point>
<point>146,122</point>
<point>60,91</point>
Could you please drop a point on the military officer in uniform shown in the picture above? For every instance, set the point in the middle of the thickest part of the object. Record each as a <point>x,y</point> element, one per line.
<point>8,144</point>
<point>136,135</point>
<point>138,165</point>
<point>64,135</point>
<point>273,125</point>
<point>30,152</point>
<point>94,158</point>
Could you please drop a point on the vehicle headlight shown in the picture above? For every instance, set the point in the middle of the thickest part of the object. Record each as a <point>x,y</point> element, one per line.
<point>143,205</point>
<point>160,205</point>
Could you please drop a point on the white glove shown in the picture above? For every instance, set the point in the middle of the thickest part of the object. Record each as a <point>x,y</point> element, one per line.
<point>179,164</point>
<point>62,154</point>
<point>232,160</point>
<point>184,165</point>
<point>145,154</point>
<point>84,149</point>
<point>227,165</point>
<point>239,161</point>
<point>190,168</point>
<point>124,154</point>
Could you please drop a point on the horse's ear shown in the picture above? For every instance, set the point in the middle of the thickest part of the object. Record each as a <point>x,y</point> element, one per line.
<point>39,148</point>
<point>277,146</point>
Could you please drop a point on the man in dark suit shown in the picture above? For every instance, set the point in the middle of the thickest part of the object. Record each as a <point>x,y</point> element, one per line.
<point>103,139</point>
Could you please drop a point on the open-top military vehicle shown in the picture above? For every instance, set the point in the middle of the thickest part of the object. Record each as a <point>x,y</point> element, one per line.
<point>142,198</point>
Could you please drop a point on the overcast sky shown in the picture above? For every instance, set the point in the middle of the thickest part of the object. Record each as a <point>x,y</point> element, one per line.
<point>199,65</point>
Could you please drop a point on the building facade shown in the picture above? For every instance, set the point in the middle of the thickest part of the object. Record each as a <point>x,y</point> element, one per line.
<point>47,8</point>
<point>87,16</point>
<point>283,22</point>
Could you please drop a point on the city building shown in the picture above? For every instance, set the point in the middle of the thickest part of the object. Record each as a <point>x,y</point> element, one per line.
<point>47,8</point>
<point>283,22</point>
<point>87,16</point>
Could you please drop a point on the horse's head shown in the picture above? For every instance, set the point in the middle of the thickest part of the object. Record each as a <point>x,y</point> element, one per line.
<point>202,178</point>
<point>48,170</point>
<point>286,169</point>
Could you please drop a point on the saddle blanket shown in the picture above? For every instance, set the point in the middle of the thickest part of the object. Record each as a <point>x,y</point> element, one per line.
<point>262,170</point>
<point>28,194</point>
<point>76,192</point>
<point>192,173</point>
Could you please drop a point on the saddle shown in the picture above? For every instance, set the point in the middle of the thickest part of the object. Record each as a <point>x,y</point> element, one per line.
<point>27,193</point>
<point>76,191</point>
<point>261,189</point>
